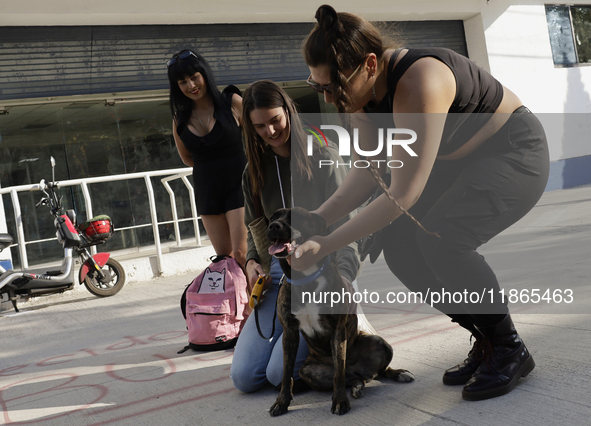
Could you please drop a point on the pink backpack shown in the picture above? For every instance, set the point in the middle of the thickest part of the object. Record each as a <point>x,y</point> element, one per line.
<point>215,306</point>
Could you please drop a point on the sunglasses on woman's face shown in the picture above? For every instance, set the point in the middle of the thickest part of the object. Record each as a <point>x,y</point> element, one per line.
<point>183,55</point>
<point>321,88</point>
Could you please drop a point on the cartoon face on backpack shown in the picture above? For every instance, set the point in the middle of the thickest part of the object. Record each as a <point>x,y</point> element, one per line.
<point>213,282</point>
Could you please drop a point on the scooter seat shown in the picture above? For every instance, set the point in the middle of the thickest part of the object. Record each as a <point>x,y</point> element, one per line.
<point>5,241</point>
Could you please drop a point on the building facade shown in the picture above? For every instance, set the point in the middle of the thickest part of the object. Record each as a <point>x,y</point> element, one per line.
<point>86,82</point>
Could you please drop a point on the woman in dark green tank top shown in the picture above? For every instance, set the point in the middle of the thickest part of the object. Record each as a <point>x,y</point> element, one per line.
<point>479,163</point>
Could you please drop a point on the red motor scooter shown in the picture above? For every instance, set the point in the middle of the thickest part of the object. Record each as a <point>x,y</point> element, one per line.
<point>102,275</point>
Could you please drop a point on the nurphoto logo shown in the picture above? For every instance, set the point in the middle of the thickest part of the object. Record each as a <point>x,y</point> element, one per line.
<point>386,137</point>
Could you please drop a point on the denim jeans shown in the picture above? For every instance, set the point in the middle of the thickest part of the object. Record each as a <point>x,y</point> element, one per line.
<point>259,361</point>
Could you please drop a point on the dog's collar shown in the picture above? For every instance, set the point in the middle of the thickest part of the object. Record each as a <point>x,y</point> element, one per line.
<point>313,277</point>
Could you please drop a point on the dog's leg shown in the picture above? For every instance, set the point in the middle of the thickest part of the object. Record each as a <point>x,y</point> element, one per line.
<point>384,352</point>
<point>404,376</point>
<point>291,340</point>
<point>357,384</point>
<point>340,402</point>
<point>370,356</point>
<point>318,375</point>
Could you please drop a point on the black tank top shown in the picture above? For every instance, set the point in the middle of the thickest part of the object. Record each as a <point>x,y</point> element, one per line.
<point>477,92</point>
<point>224,140</point>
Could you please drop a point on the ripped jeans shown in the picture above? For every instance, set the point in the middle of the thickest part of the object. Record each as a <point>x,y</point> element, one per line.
<point>467,202</point>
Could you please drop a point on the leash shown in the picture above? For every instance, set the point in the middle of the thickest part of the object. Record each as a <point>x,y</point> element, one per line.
<point>256,302</point>
<point>256,314</point>
<point>303,281</point>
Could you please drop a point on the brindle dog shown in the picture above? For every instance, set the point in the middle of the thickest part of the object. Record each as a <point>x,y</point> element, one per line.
<point>340,355</point>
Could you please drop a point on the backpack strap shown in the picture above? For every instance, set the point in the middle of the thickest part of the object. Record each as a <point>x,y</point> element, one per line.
<point>219,257</point>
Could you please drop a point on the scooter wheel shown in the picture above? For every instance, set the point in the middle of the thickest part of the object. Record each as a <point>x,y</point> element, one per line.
<point>113,282</point>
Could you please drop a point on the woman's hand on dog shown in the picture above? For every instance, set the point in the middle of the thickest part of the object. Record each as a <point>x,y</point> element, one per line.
<point>308,253</point>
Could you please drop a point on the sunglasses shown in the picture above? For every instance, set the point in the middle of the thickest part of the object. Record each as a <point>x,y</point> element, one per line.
<point>321,88</point>
<point>183,55</point>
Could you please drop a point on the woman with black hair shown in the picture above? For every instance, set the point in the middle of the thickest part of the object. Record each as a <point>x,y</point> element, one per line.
<point>480,164</point>
<point>207,134</point>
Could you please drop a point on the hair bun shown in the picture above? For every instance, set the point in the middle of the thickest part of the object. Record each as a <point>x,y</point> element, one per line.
<point>327,17</point>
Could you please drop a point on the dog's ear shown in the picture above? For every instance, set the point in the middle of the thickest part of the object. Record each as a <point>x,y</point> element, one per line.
<point>318,223</point>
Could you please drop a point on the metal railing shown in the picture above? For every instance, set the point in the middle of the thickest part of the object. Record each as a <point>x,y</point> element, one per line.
<point>170,174</point>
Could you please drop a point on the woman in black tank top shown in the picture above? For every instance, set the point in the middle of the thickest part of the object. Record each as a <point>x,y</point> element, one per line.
<point>472,172</point>
<point>208,138</point>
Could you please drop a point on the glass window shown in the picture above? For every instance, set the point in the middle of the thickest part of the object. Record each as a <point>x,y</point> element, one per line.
<point>582,30</point>
<point>569,28</point>
<point>91,138</point>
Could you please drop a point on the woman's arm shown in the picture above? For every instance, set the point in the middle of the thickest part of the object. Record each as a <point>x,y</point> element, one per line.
<point>186,156</point>
<point>422,99</point>
<point>359,183</point>
<point>356,188</point>
<point>253,266</point>
<point>332,177</point>
<point>237,108</point>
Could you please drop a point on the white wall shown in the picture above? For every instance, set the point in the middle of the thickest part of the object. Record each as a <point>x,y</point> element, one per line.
<point>520,56</point>
<point>135,12</point>
<point>476,41</point>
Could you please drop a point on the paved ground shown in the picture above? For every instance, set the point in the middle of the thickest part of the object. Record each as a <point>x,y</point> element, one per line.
<point>88,361</point>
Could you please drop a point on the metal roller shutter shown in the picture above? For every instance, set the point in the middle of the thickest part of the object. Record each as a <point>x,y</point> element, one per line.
<point>59,61</point>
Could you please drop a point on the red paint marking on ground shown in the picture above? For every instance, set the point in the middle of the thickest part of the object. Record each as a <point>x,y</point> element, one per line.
<point>423,335</point>
<point>413,310</point>
<point>175,335</point>
<point>152,397</point>
<point>388,308</point>
<point>109,369</point>
<point>401,334</point>
<point>174,404</point>
<point>72,377</point>
<point>408,322</point>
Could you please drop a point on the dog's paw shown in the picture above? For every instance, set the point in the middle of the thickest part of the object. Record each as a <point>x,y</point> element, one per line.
<point>278,409</point>
<point>340,405</point>
<point>357,389</point>
<point>404,376</point>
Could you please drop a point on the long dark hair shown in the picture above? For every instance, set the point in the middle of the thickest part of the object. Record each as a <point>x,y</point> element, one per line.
<point>180,105</point>
<point>341,41</point>
<point>268,94</point>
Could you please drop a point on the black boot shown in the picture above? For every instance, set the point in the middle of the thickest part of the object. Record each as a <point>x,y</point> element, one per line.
<point>462,372</point>
<point>506,360</point>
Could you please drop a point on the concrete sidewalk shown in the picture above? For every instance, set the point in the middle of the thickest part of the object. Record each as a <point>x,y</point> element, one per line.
<point>88,361</point>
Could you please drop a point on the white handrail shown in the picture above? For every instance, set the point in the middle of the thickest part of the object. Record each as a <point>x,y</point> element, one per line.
<point>172,173</point>
<point>193,207</point>
<point>183,177</point>
<point>155,230</point>
<point>88,202</point>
